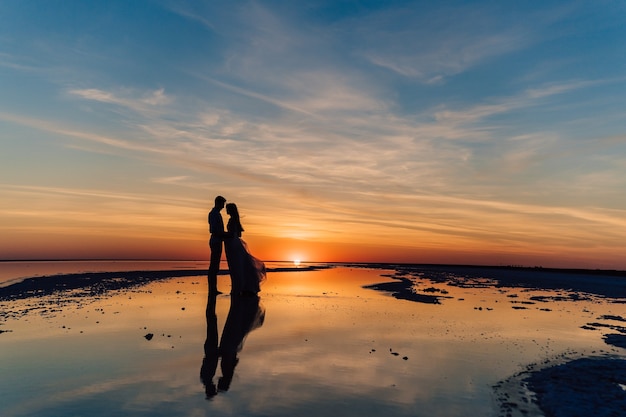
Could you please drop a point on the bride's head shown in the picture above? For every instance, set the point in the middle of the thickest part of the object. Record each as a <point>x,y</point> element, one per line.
<point>231,210</point>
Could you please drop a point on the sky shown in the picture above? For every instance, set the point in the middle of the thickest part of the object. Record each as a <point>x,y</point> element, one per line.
<point>458,132</point>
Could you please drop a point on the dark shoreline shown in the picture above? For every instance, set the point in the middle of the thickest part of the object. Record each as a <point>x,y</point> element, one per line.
<point>609,284</point>
<point>576,271</point>
<point>606,283</point>
<point>378,265</point>
<point>96,283</point>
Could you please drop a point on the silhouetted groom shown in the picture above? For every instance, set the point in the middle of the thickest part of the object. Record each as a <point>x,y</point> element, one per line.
<point>216,228</point>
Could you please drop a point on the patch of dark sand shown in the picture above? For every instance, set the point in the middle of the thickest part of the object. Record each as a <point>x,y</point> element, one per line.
<point>583,387</point>
<point>588,386</point>
<point>604,283</point>
<point>523,302</point>
<point>617,340</point>
<point>402,289</point>
<point>569,297</point>
<point>434,290</point>
<point>596,326</point>
<point>87,284</point>
<point>612,317</point>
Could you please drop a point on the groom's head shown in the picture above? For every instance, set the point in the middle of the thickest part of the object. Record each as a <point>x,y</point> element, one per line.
<point>220,201</point>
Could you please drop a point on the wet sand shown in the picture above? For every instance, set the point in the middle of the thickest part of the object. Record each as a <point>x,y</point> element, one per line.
<point>569,385</point>
<point>348,339</point>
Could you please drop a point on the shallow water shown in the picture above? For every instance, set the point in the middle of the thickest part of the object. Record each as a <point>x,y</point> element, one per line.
<point>327,346</point>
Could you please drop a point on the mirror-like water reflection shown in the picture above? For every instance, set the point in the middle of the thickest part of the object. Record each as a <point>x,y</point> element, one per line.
<point>328,346</point>
<point>245,314</point>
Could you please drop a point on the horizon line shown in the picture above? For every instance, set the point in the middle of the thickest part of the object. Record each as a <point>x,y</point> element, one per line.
<point>504,266</point>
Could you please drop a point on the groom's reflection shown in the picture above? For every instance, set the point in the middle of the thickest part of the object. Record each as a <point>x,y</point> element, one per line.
<point>245,315</point>
<point>209,363</point>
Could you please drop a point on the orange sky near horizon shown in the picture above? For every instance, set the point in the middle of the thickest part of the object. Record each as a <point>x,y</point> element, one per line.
<point>177,229</point>
<point>267,248</point>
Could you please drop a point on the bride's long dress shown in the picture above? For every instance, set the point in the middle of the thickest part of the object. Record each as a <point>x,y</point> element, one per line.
<point>246,271</point>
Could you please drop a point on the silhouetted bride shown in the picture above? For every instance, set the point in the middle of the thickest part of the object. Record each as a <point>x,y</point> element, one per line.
<point>246,271</point>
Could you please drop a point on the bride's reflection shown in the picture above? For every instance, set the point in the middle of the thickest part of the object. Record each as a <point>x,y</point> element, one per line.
<point>245,315</point>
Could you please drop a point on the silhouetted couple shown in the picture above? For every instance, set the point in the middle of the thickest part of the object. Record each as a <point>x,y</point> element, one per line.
<point>246,271</point>
<point>245,315</point>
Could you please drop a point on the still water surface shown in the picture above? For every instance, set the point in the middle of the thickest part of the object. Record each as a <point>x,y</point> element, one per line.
<point>326,346</point>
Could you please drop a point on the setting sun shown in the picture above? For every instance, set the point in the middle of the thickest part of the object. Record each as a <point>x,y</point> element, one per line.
<point>296,262</point>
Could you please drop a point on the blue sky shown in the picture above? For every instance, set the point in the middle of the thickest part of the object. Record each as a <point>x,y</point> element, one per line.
<point>442,131</point>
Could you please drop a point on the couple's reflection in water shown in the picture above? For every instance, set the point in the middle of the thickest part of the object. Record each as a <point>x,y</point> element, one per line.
<point>245,315</point>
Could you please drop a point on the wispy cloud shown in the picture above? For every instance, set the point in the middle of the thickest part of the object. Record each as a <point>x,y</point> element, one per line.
<point>53,127</point>
<point>431,45</point>
<point>12,62</point>
<point>527,98</point>
<point>138,103</point>
<point>261,97</point>
<point>359,142</point>
<point>67,207</point>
